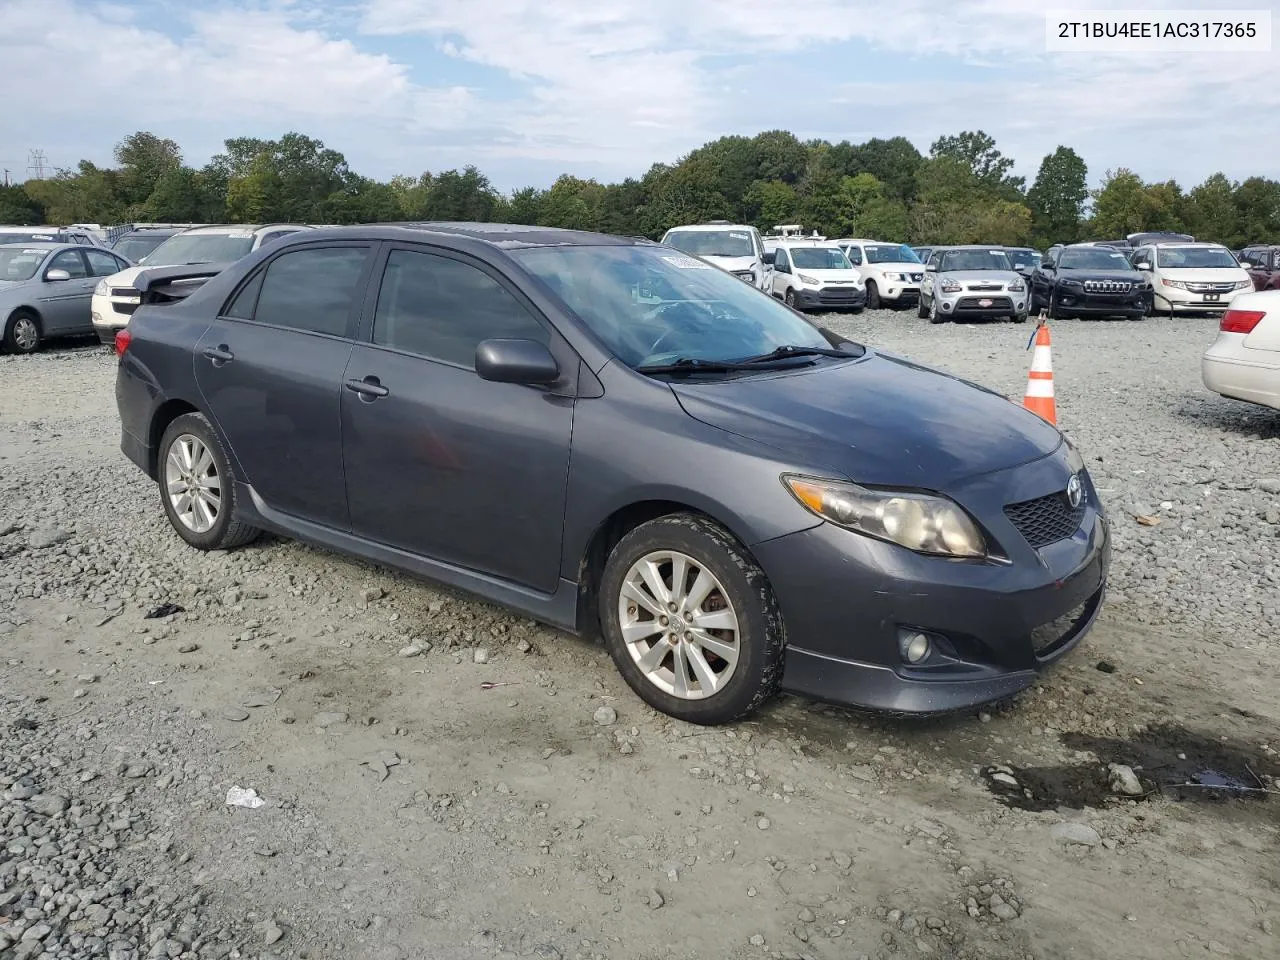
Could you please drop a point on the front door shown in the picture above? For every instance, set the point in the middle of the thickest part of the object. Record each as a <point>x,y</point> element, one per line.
<point>270,370</point>
<point>438,461</point>
<point>64,304</point>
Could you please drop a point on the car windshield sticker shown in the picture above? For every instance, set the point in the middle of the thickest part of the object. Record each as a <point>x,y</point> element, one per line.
<point>739,236</point>
<point>241,235</point>
<point>995,251</point>
<point>687,263</point>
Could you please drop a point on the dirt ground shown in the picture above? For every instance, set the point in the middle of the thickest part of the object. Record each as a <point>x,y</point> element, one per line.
<point>414,812</point>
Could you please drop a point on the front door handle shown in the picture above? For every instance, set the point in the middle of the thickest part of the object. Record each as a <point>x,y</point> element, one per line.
<point>219,355</point>
<point>369,389</point>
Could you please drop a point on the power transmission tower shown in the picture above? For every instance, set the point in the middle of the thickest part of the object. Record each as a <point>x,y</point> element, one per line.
<point>35,164</point>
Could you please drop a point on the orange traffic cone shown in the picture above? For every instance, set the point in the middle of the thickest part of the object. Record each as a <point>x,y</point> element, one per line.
<point>1039,398</point>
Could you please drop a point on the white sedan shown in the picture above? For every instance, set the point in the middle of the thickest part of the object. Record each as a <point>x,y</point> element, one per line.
<point>1244,362</point>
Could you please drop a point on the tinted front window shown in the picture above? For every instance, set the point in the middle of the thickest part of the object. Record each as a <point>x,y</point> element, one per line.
<point>1023,258</point>
<point>1195,257</point>
<point>975,260</point>
<point>135,248</point>
<point>820,258</point>
<point>1094,258</point>
<point>19,263</point>
<point>312,289</point>
<point>103,264</point>
<point>713,243</point>
<point>889,253</point>
<point>651,306</point>
<point>35,237</point>
<point>70,261</point>
<point>442,308</point>
<point>201,248</point>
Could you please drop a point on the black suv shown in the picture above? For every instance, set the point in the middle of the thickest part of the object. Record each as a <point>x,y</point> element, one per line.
<point>1081,279</point>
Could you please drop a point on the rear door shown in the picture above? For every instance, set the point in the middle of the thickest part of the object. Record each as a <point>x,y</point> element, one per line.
<point>438,461</point>
<point>64,304</point>
<point>270,371</point>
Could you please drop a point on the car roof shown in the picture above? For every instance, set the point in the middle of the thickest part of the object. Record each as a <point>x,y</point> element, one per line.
<point>720,227</point>
<point>44,245</point>
<point>243,227</point>
<point>1185,244</point>
<point>972,246</point>
<point>805,242</point>
<point>507,236</point>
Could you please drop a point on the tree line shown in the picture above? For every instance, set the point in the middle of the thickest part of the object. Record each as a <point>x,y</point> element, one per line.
<point>962,191</point>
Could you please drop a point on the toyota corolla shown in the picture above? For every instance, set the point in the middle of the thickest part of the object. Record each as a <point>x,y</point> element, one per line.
<point>611,436</point>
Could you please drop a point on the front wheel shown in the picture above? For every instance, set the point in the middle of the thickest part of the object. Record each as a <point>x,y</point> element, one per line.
<point>873,296</point>
<point>922,308</point>
<point>691,620</point>
<point>197,486</point>
<point>934,315</point>
<point>22,332</point>
<point>790,299</point>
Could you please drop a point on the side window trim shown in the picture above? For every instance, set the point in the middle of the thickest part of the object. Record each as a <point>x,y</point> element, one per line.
<point>358,296</point>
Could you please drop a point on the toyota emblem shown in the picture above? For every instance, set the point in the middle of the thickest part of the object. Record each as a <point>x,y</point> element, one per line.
<point>1075,492</point>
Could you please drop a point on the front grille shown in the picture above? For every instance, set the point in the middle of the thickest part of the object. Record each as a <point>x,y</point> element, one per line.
<point>1045,520</point>
<point>1107,286</point>
<point>985,287</point>
<point>1211,287</point>
<point>124,292</point>
<point>841,294</point>
<point>1048,637</point>
<point>125,308</point>
<point>916,277</point>
<point>975,303</point>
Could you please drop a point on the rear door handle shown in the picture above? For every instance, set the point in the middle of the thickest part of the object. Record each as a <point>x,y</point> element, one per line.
<point>369,388</point>
<point>219,355</point>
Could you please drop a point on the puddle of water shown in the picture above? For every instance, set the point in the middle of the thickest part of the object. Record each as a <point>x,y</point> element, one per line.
<point>1169,761</point>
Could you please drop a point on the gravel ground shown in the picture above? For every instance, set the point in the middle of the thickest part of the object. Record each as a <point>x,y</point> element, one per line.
<point>406,811</point>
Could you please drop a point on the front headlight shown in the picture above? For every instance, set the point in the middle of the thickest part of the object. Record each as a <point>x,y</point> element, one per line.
<point>1176,284</point>
<point>896,277</point>
<point>917,521</point>
<point>1016,287</point>
<point>1068,282</point>
<point>1244,284</point>
<point>809,280</point>
<point>948,285</point>
<point>102,290</point>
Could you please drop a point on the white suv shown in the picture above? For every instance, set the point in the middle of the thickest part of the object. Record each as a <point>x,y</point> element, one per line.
<point>115,299</point>
<point>892,271</point>
<point>1192,277</point>
<point>732,247</point>
<point>815,274</point>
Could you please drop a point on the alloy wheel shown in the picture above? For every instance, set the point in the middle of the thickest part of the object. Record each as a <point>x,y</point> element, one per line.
<point>25,334</point>
<point>678,625</point>
<point>192,483</point>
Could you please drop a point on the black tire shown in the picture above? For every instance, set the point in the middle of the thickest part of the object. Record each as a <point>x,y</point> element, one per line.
<point>1019,317</point>
<point>873,296</point>
<point>226,532</point>
<point>936,316</point>
<point>789,298</point>
<point>922,308</point>
<point>17,329</point>
<point>761,637</point>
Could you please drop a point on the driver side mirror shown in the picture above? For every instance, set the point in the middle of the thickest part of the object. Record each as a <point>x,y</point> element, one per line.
<point>1142,265</point>
<point>516,361</point>
<point>55,275</point>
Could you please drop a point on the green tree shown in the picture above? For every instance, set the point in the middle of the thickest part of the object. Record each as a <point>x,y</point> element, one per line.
<point>179,197</point>
<point>1122,205</point>
<point>869,211</point>
<point>290,179</point>
<point>467,195</point>
<point>144,160</point>
<point>686,193</point>
<point>1211,213</point>
<point>780,156</point>
<point>1257,202</point>
<point>620,210</point>
<point>525,205</point>
<point>18,208</point>
<point>769,203</point>
<point>573,204</point>
<point>894,162</point>
<point>1057,197</point>
<point>977,151</point>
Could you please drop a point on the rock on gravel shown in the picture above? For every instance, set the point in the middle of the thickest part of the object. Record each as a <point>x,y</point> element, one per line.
<point>1124,781</point>
<point>1075,833</point>
<point>605,716</point>
<point>47,804</point>
<point>328,718</point>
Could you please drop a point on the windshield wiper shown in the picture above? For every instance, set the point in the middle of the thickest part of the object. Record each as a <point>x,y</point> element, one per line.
<point>696,365</point>
<point>790,350</point>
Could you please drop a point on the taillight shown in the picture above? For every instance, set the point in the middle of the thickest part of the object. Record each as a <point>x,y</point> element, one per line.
<point>1241,321</point>
<point>123,338</point>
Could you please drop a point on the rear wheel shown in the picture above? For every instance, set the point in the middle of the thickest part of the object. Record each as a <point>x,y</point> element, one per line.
<point>691,621</point>
<point>197,486</point>
<point>873,296</point>
<point>22,332</point>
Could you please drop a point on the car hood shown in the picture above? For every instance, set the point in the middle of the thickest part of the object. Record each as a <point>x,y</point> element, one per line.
<point>831,276</point>
<point>1085,273</point>
<point>894,267</point>
<point>882,420</point>
<point>732,263</point>
<point>983,276</point>
<point>1205,274</point>
<point>124,277</point>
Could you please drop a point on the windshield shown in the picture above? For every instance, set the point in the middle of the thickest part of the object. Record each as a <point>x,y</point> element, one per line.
<point>819,258</point>
<point>712,243</point>
<point>1094,258</point>
<point>19,263</point>
<point>33,237</point>
<point>1194,257</point>
<point>1023,258</point>
<point>201,248</point>
<point>651,306</point>
<point>135,248</point>
<point>889,253</point>
<point>974,260</point>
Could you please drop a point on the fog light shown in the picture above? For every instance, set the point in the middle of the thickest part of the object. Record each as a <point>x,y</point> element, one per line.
<point>914,646</point>
<point>946,307</point>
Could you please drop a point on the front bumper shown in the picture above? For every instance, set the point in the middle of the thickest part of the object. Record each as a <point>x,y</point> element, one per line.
<point>1078,301</point>
<point>1182,301</point>
<point>907,293</point>
<point>845,598</point>
<point>971,305</point>
<point>107,328</point>
<point>831,298</point>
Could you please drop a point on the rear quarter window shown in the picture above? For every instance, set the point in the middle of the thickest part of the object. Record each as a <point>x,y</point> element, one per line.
<point>313,290</point>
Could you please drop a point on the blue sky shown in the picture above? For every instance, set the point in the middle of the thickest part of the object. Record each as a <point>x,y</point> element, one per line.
<point>528,89</point>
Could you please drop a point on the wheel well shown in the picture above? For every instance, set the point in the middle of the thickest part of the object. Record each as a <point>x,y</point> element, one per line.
<point>606,537</point>
<point>167,412</point>
<point>28,311</point>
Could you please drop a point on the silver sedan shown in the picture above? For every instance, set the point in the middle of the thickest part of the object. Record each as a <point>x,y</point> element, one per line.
<point>45,289</point>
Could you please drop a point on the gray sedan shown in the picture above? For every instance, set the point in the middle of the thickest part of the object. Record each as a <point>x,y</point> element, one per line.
<point>45,290</point>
